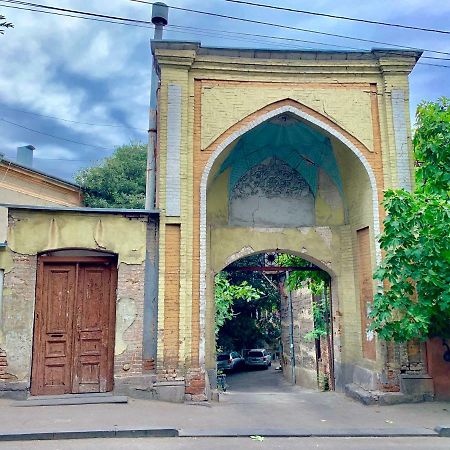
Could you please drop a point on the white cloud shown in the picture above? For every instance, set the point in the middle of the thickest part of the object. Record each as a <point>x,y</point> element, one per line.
<point>100,73</point>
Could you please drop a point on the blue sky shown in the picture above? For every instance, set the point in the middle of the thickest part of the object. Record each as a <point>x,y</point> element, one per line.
<point>99,73</point>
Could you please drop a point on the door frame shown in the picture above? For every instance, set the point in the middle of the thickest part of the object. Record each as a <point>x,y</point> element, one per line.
<point>45,258</point>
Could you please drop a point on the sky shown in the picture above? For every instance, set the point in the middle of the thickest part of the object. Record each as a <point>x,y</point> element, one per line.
<point>99,73</point>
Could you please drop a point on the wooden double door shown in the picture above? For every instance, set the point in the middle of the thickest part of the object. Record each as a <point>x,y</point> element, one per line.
<point>73,348</point>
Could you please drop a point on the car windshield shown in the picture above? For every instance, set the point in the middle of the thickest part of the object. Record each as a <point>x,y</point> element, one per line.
<point>222,357</point>
<point>255,354</point>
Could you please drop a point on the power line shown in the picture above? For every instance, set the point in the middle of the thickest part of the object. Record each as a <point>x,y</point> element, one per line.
<point>289,39</point>
<point>71,121</point>
<point>58,159</point>
<point>52,135</point>
<point>231,17</point>
<point>140,23</point>
<point>74,11</point>
<point>334,16</point>
<point>288,27</point>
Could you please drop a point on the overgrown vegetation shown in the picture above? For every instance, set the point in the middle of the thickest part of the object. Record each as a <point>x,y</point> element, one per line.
<point>255,322</point>
<point>119,181</point>
<point>226,294</point>
<point>316,282</point>
<point>415,273</point>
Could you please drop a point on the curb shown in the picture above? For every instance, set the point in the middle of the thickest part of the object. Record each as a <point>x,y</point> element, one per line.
<point>440,431</point>
<point>89,434</point>
<point>342,432</point>
<point>443,430</point>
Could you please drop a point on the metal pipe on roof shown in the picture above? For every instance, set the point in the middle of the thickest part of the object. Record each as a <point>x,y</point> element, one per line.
<point>160,14</point>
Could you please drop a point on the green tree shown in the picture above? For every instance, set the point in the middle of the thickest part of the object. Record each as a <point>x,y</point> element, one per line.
<point>415,273</point>
<point>226,294</point>
<point>119,181</point>
<point>4,24</point>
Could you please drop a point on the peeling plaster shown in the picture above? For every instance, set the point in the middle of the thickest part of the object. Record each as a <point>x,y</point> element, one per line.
<point>326,234</point>
<point>32,232</point>
<point>126,314</point>
<point>6,260</point>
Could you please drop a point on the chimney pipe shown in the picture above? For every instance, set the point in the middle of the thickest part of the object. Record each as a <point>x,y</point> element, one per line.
<point>25,155</point>
<point>160,14</point>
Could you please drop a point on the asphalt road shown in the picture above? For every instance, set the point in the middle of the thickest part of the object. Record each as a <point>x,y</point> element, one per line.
<point>416,443</point>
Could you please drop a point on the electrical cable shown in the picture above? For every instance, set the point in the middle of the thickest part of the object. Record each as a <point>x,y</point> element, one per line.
<point>2,105</point>
<point>288,27</point>
<point>334,16</point>
<point>52,135</point>
<point>136,22</point>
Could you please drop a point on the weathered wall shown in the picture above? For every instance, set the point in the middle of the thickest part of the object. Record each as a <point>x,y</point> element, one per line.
<point>304,350</point>
<point>31,232</point>
<point>210,96</point>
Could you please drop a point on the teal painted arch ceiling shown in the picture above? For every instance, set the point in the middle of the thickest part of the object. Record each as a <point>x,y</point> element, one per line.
<point>287,138</point>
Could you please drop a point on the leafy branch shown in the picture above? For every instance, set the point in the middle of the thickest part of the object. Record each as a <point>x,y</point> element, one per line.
<point>415,273</point>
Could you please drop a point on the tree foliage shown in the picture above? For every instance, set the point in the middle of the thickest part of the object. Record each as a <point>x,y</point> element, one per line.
<point>119,181</point>
<point>315,280</point>
<point>4,24</point>
<point>226,294</point>
<point>415,301</point>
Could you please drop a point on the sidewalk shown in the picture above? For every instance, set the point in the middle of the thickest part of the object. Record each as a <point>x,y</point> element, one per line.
<point>295,413</point>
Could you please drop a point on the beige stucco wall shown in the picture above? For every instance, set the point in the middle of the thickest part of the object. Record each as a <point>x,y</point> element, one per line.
<point>25,187</point>
<point>32,232</point>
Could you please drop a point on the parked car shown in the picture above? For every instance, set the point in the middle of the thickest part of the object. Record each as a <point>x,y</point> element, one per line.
<point>230,361</point>
<point>258,357</point>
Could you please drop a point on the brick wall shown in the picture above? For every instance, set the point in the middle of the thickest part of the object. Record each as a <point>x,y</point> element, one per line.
<point>172,296</point>
<point>4,375</point>
<point>18,316</point>
<point>130,285</point>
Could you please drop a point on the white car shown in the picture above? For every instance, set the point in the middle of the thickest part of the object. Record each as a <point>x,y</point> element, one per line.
<point>258,357</point>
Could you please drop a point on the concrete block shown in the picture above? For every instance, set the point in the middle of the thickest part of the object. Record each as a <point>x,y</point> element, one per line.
<point>140,387</point>
<point>356,392</point>
<point>416,384</point>
<point>14,390</point>
<point>172,392</point>
<point>365,378</point>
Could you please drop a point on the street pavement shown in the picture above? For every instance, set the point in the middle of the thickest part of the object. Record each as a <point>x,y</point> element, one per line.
<point>256,402</point>
<point>416,443</point>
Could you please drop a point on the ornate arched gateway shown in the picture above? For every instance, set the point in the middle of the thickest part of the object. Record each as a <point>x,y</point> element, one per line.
<point>286,150</point>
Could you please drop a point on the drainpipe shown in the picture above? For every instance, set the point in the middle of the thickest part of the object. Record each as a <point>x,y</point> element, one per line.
<point>291,332</point>
<point>160,14</point>
<point>150,332</point>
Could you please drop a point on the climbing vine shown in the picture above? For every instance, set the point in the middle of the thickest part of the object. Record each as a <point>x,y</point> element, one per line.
<point>316,282</point>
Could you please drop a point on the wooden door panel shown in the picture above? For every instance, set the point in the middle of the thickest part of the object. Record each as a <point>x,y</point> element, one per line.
<point>74,327</point>
<point>91,368</point>
<point>53,328</point>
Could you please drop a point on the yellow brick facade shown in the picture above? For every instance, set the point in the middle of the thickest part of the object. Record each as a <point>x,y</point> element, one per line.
<point>222,92</point>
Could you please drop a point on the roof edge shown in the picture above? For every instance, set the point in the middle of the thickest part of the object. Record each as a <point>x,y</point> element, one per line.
<point>84,210</point>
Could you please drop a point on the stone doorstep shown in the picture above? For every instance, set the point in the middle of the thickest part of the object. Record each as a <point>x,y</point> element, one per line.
<point>71,399</point>
<point>383,398</point>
